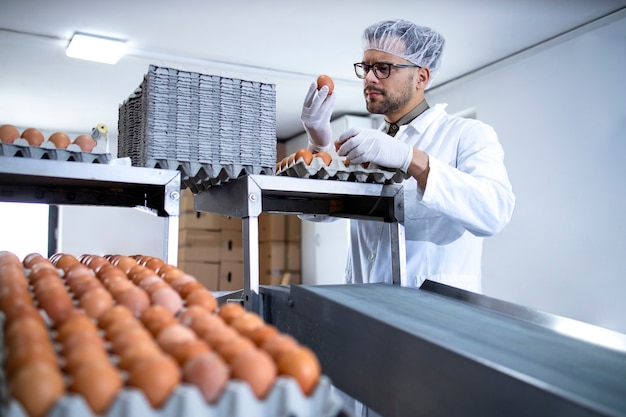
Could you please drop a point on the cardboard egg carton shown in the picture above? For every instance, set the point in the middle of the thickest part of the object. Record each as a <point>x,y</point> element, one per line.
<point>339,170</point>
<point>237,400</point>
<point>47,150</point>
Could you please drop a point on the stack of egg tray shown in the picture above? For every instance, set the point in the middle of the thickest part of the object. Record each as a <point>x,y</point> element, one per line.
<point>23,150</point>
<point>211,128</point>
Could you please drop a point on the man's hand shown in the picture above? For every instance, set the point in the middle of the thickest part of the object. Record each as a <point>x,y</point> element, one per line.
<point>316,113</point>
<point>371,145</point>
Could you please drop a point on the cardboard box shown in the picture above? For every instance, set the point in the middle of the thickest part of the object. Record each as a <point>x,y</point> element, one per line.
<point>279,257</point>
<point>205,272</point>
<point>294,228</point>
<point>199,245</point>
<point>186,201</point>
<point>284,278</point>
<point>272,227</point>
<point>231,245</point>
<point>230,276</point>
<point>230,223</point>
<point>197,220</point>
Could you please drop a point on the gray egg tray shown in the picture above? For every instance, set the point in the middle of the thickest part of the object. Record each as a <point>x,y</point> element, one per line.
<point>338,170</point>
<point>284,400</point>
<point>200,177</point>
<point>20,148</point>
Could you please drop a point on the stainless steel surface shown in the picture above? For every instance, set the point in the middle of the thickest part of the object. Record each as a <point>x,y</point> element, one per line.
<point>411,352</point>
<point>251,195</point>
<point>156,191</point>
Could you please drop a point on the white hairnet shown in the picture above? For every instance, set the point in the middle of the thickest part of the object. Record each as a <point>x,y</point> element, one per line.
<point>418,44</point>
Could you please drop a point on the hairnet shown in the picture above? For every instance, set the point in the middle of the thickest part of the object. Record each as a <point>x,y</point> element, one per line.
<point>417,44</point>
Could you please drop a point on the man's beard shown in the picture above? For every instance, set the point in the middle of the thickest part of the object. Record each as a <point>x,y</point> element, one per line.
<point>391,104</point>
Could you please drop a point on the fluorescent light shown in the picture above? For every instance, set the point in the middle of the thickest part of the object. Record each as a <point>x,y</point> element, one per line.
<point>96,48</point>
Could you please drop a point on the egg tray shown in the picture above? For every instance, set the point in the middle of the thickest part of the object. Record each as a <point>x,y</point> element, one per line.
<point>237,400</point>
<point>338,170</point>
<point>200,177</point>
<point>46,151</point>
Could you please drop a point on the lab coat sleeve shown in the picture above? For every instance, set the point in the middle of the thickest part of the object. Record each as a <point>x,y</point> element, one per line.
<point>476,192</point>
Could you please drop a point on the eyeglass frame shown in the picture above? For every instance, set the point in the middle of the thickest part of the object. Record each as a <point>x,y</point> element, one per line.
<point>372,67</point>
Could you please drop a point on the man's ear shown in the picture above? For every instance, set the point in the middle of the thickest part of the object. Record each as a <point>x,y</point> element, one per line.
<point>423,75</point>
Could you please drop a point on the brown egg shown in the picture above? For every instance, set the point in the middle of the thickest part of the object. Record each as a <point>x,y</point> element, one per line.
<point>33,136</point>
<point>98,383</point>
<point>256,368</point>
<point>75,324</point>
<point>37,387</point>
<point>203,298</point>
<point>305,154</point>
<point>260,334</point>
<point>167,297</point>
<point>64,260</point>
<point>207,323</point>
<point>96,302</point>
<point>247,322</point>
<point>219,335</point>
<point>228,311</point>
<point>131,336</point>
<point>113,315</point>
<point>191,313</point>
<point>85,142</point>
<point>231,349</point>
<point>137,352</point>
<point>27,354</point>
<point>80,339</point>
<point>323,80</point>
<point>302,365</point>
<point>125,263</point>
<point>156,377</point>
<point>154,263</point>
<point>169,273</point>
<point>179,282</point>
<point>155,318</point>
<point>124,325</point>
<point>32,259</point>
<point>325,156</point>
<point>8,133</point>
<point>173,335</point>
<point>19,311</point>
<point>60,140</point>
<point>134,298</point>
<point>209,373</point>
<point>84,355</point>
<point>184,351</point>
<point>190,287</point>
<point>56,303</point>
<point>278,345</point>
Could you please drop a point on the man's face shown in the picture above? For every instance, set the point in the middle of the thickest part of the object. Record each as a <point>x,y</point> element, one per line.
<point>394,95</point>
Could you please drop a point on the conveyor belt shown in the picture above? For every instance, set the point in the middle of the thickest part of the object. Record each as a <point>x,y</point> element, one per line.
<point>412,352</point>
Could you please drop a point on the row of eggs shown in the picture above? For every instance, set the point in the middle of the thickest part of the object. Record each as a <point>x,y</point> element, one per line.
<point>61,140</point>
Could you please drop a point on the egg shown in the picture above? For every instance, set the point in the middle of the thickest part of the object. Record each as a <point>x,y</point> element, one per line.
<point>302,365</point>
<point>18,358</point>
<point>98,383</point>
<point>278,345</point>
<point>304,154</point>
<point>167,297</point>
<point>60,140</point>
<point>85,142</point>
<point>219,335</point>
<point>114,314</point>
<point>134,298</point>
<point>325,80</point>
<point>37,387</point>
<point>260,334</point>
<point>229,310</point>
<point>247,322</point>
<point>156,377</point>
<point>96,302</point>
<point>191,313</point>
<point>184,351</point>
<point>256,368</point>
<point>155,318</point>
<point>209,373</point>
<point>33,136</point>
<point>8,133</point>
<point>84,355</point>
<point>129,337</point>
<point>137,352</point>
<point>234,347</point>
<point>202,297</point>
<point>206,323</point>
<point>325,156</point>
<point>173,335</point>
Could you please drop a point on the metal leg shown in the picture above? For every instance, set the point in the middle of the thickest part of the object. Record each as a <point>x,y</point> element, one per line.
<point>398,253</point>
<point>250,230</point>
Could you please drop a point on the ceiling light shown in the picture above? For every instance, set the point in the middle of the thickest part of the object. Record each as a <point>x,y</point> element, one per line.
<point>96,48</point>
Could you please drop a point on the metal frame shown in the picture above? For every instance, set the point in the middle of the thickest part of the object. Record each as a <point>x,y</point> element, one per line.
<point>249,196</point>
<point>156,191</point>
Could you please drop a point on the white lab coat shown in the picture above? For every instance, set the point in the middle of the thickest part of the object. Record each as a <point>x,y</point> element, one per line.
<point>468,196</point>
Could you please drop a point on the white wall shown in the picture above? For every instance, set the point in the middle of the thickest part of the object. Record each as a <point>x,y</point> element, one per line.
<point>560,112</point>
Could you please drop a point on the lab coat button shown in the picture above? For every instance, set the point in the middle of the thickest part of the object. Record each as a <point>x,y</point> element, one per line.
<point>371,256</point>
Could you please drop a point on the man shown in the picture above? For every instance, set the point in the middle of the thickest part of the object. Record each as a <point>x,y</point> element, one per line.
<point>458,191</point>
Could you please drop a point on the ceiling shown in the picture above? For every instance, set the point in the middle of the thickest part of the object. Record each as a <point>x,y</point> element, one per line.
<point>286,43</point>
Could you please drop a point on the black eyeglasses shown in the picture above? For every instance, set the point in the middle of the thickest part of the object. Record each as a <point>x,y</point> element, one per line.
<point>381,70</point>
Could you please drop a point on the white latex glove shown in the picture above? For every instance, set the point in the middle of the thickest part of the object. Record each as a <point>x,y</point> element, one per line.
<point>371,145</point>
<point>315,116</point>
